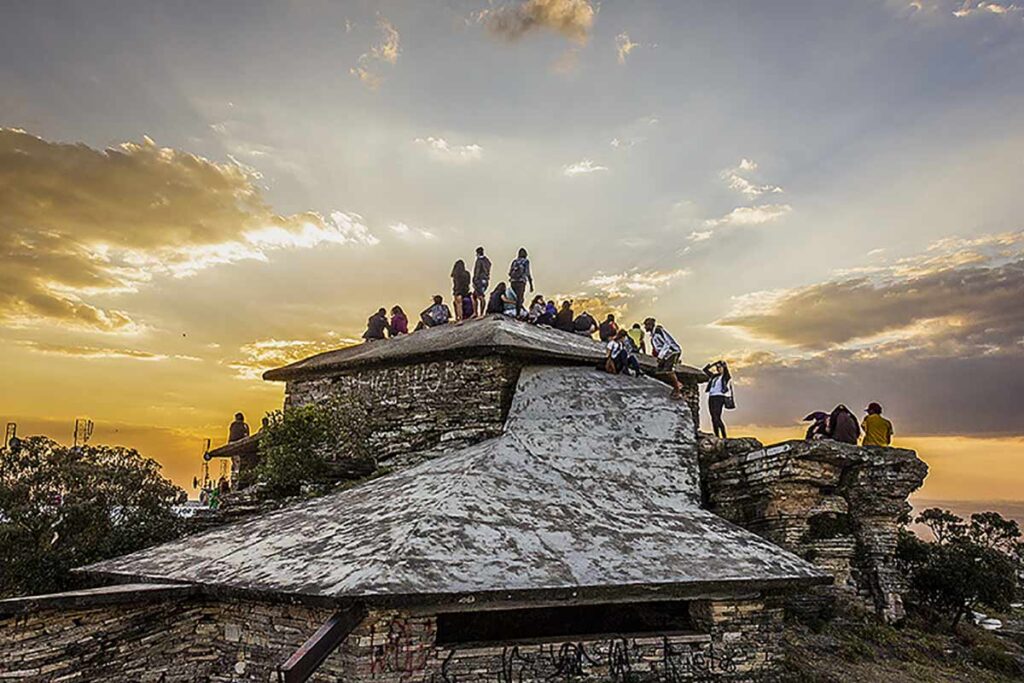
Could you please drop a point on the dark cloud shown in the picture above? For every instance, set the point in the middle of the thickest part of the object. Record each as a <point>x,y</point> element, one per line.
<point>76,222</point>
<point>571,18</point>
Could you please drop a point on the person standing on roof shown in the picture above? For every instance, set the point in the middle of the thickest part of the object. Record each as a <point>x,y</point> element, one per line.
<point>842,425</point>
<point>719,391</point>
<point>636,335</point>
<point>238,429</point>
<point>608,329</point>
<point>584,325</point>
<point>376,326</point>
<point>460,287</point>
<point>519,276</point>
<point>437,314</point>
<point>399,322</point>
<point>877,429</point>
<point>481,281</point>
<point>667,350</point>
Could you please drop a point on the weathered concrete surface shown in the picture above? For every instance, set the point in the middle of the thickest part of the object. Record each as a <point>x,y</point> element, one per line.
<point>494,334</point>
<point>135,593</point>
<point>594,483</point>
<point>836,504</point>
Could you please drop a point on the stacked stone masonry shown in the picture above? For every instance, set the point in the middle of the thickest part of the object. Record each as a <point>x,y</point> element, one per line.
<point>837,505</point>
<point>246,641</point>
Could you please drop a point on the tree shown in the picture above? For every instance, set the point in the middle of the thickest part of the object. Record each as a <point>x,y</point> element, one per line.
<point>314,444</point>
<point>966,566</point>
<point>64,507</point>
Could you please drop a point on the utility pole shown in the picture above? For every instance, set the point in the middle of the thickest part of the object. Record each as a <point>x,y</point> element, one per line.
<point>11,432</point>
<point>83,431</point>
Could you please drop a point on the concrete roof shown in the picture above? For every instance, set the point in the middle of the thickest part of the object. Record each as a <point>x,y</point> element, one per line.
<point>594,483</point>
<point>493,334</point>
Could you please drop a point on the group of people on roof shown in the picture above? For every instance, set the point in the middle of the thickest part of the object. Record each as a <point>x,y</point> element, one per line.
<point>841,425</point>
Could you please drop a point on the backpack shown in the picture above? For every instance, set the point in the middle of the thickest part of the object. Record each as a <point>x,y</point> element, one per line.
<point>517,272</point>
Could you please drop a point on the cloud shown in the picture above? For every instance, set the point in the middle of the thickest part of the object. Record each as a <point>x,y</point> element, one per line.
<point>573,19</point>
<point>441,150</point>
<point>100,353</point>
<point>77,222</point>
<point>265,354</point>
<point>409,233</point>
<point>584,167</point>
<point>961,9</point>
<point>386,51</point>
<point>751,215</point>
<point>623,46</point>
<point>634,281</point>
<point>736,181</point>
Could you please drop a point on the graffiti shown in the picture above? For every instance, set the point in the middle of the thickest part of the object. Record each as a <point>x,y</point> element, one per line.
<point>399,650</point>
<point>424,377</point>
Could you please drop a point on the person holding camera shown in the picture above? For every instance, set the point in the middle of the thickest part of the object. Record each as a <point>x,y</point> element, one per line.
<point>720,395</point>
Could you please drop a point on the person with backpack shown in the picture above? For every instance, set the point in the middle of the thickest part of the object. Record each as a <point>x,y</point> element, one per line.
<point>519,276</point>
<point>607,330</point>
<point>481,281</point>
<point>376,326</point>
<point>460,287</point>
<point>584,325</point>
<point>720,396</point>
<point>667,350</point>
<point>437,314</point>
<point>842,425</point>
<point>565,317</point>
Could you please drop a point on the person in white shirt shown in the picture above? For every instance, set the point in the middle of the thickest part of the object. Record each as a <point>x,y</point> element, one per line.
<point>621,356</point>
<point>667,351</point>
<point>719,391</point>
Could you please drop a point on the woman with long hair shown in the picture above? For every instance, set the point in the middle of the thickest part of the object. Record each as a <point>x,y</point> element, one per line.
<point>399,322</point>
<point>461,280</point>
<point>719,391</point>
<point>536,308</point>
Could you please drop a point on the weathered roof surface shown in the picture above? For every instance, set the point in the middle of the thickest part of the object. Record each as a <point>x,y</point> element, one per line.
<point>594,483</point>
<point>134,593</point>
<point>496,333</point>
<point>245,446</point>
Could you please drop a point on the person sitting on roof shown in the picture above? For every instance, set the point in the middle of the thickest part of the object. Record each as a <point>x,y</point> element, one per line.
<point>437,314</point>
<point>399,322</point>
<point>584,325</point>
<point>819,426</point>
<point>607,330</point>
<point>376,326</point>
<point>842,425</point>
<point>877,429</point>
<point>549,314</point>
<point>238,429</point>
<point>621,356</point>
<point>636,335</point>
<point>564,318</point>
<point>667,350</point>
<point>461,280</point>
<point>536,309</point>
<point>510,303</point>
<point>494,304</point>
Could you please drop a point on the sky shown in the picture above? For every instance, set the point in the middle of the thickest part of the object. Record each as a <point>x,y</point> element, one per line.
<point>824,193</point>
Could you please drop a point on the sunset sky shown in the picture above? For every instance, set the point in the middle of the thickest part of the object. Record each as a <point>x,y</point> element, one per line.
<point>826,193</point>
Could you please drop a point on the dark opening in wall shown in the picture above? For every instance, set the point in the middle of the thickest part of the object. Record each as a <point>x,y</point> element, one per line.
<point>578,621</point>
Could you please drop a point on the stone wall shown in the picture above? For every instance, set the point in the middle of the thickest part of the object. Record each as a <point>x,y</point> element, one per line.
<point>445,403</point>
<point>837,505</point>
<point>245,641</point>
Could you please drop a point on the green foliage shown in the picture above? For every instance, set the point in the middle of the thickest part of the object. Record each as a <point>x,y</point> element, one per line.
<point>61,508</point>
<point>314,444</point>
<point>968,564</point>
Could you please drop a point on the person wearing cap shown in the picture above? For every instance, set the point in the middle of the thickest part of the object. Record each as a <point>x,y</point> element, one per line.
<point>667,350</point>
<point>877,429</point>
<point>819,425</point>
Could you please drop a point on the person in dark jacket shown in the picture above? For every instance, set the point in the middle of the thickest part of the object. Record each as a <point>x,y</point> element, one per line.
<point>519,276</point>
<point>399,322</point>
<point>460,287</point>
<point>842,425</point>
<point>819,425</point>
<point>719,390</point>
<point>608,329</point>
<point>549,314</point>
<point>238,429</point>
<point>481,281</point>
<point>376,326</point>
<point>564,318</point>
<point>584,325</point>
<point>495,302</point>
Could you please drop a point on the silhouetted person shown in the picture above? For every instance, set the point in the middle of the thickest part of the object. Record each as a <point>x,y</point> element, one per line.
<point>481,281</point>
<point>223,486</point>
<point>819,425</point>
<point>607,330</point>
<point>238,429</point>
<point>519,276</point>
<point>399,322</point>
<point>842,425</point>
<point>565,317</point>
<point>584,325</point>
<point>719,390</point>
<point>667,350</point>
<point>376,326</point>
<point>877,429</point>
<point>460,286</point>
<point>495,302</point>
<point>437,314</point>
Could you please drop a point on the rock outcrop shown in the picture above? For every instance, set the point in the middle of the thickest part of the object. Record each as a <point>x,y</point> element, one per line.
<point>837,505</point>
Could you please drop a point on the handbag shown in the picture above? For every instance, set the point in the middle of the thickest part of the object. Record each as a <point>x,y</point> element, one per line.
<point>730,398</point>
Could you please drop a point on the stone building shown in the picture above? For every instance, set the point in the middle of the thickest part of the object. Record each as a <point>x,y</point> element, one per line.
<point>546,522</point>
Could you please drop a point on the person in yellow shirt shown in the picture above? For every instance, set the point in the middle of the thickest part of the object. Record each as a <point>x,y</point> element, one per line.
<point>877,429</point>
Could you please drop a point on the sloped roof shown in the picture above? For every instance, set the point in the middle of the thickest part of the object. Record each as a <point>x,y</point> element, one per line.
<point>594,483</point>
<point>493,334</point>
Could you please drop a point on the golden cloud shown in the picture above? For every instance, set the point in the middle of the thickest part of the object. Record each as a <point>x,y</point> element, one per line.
<point>571,18</point>
<point>77,222</point>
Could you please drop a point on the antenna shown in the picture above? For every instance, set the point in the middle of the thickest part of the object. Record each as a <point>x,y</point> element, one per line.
<point>10,433</point>
<point>83,431</point>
